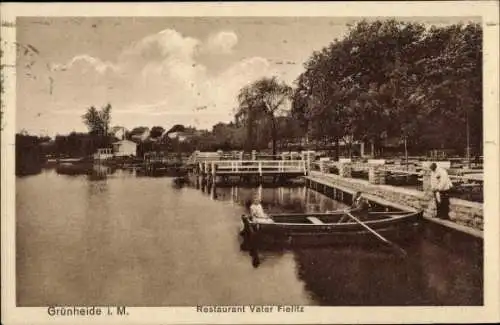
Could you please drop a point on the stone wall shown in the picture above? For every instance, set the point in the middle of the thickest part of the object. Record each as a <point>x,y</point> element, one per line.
<point>462,212</point>
<point>345,170</point>
<point>376,175</point>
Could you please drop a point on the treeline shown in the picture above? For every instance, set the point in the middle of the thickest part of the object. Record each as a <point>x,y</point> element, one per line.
<point>384,79</point>
<point>222,136</point>
<point>29,154</point>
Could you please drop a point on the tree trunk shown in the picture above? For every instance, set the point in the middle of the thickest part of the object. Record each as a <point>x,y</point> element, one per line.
<point>274,134</point>
<point>406,154</point>
<point>337,148</point>
<point>249,140</point>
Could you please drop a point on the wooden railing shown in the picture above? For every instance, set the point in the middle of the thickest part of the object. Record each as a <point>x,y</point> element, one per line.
<point>258,167</point>
<point>199,156</point>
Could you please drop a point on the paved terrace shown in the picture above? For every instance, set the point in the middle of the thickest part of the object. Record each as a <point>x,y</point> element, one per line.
<point>465,216</point>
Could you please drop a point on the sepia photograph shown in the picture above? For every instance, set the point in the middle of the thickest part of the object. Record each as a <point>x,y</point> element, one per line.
<point>247,164</point>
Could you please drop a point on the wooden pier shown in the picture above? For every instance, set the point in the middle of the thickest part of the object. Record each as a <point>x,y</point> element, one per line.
<point>257,169</point>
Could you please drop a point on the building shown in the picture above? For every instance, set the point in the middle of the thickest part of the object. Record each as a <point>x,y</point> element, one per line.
<point>103,154</point>
<point>181,136</point>
<point>141,135</point>
<point>124,148</point>
<point>118,132</point>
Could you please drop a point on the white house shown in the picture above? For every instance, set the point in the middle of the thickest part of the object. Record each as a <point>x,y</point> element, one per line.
<point>124,148</point>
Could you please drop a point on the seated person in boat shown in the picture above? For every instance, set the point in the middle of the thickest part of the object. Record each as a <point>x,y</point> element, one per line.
<point>360,203</point>
<point>257,212</point>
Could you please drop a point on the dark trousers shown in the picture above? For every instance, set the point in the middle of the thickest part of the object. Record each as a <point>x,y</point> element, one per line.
<point>443,207</point>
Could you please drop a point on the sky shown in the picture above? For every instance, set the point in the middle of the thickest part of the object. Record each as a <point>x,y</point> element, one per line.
<point>155,70</point>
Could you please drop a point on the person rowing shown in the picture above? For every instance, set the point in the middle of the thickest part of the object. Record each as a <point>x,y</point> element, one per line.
<point>360,203</point>
<point>360,206</point>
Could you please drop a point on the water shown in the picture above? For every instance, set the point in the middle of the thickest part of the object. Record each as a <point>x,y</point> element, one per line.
<point>140,241</point>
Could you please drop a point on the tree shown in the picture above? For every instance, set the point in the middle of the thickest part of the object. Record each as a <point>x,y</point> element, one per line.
<point>322,98</point>
<point>228,136</point>
<point>452,77</point>
<point>263,99</point>
<point>105,115</point>
<point>395,79</point>
<point>177,128</point>
<point>98,121</point>
<point>138,130</point>
<point>156,131</point>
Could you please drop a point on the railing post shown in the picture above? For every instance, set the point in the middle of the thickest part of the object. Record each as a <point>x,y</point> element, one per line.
<point>260,168</point>
<point>214,172</point>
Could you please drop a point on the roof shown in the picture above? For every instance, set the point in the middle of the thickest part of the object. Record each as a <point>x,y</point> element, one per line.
<point>122,141</point>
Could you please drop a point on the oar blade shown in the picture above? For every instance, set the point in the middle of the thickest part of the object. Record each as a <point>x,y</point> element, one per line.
<point>379,236</point>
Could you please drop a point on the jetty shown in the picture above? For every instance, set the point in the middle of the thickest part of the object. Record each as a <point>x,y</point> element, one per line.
<point>214,166</point>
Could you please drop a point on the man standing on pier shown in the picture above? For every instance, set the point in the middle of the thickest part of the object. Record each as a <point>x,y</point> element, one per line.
<point>440,186</point>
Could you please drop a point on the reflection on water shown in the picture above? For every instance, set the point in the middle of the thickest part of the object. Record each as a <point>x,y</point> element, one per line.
<point>119,239</point>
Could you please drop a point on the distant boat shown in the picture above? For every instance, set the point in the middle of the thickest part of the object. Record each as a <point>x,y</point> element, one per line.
<point>74,166</point>
<point>336,227</point>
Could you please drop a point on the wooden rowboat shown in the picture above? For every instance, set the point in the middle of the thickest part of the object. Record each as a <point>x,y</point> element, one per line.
<point>331,227</point>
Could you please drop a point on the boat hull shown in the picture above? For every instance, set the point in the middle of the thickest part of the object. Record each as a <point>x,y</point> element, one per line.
<point>401,228</point>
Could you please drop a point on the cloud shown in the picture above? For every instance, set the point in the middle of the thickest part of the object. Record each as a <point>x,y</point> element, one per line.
<point>221,43</point>
<point>167,43</point>
<point>161,75</point>
<point>83,61</point>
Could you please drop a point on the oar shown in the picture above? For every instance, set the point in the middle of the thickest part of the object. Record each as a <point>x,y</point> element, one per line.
<point>388,242</point>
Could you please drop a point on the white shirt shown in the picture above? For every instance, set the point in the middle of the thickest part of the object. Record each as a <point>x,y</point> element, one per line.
<point>440,181</point>
<point>257,211</point>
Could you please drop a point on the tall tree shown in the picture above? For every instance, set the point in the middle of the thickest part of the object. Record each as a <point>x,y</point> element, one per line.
<point>322,98</point>
<point>105,115</point>
<point>98,121</point>
<point>395,79</point>
<point>266,98</point>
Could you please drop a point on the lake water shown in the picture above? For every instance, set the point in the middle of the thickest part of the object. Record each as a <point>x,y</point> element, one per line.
<point>141,241</point>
